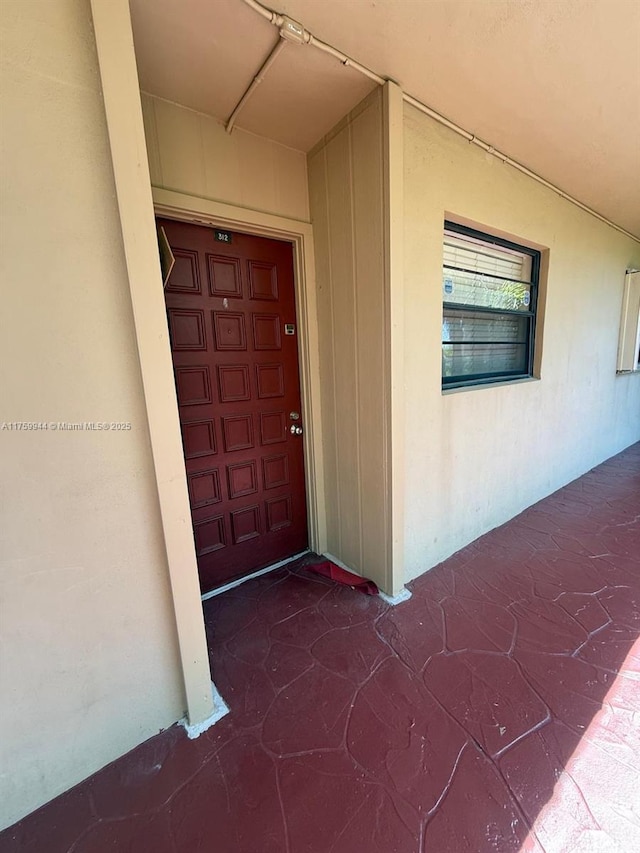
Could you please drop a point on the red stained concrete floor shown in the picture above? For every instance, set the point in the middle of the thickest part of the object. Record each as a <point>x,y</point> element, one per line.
<point>496,710</point>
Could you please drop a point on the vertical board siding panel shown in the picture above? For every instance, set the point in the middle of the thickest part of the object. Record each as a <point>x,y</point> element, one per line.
<point>222,172</point>
<point>341,258</point>
<point>370,324</point>
<point>191,152</point>
<point>349,231</point>
<point>257,175</point>
<point>357,462</point>
<point>319,206</point>
<point>180,148</point>
<point>290,168</point>
<point>151,138</point>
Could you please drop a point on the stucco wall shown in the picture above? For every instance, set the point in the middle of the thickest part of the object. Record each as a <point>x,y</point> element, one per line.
<point>192,153</point>
<point>89,661</point>
<point>475,458</point>
<point>346,192</point>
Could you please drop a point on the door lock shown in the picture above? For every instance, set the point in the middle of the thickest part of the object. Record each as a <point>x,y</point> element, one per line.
<point>294,429</point>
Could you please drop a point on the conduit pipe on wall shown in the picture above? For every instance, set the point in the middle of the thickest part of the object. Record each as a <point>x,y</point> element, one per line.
<point>278,20</point>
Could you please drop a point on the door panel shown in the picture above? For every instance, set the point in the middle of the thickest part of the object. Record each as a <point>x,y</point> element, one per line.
<point>231,311</point>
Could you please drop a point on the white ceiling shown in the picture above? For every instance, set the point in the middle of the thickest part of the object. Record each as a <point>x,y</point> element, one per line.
<point>555,84</point>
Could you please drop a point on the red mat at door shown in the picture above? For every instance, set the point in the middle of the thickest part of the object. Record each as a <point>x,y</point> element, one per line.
<point>329,570</point>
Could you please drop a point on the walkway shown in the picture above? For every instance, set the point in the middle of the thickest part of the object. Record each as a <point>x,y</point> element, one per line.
<point>497,710</point>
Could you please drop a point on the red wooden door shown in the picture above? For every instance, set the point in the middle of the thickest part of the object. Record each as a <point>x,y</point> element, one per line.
<point>232,323</point>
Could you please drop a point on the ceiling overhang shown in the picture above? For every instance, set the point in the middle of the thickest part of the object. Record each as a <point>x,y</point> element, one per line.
<point>556,87</point>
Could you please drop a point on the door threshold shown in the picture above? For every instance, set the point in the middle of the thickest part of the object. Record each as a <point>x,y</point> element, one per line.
<point>232,584</point>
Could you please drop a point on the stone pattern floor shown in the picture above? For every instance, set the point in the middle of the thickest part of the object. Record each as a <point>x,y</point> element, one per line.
<point>496,710</point>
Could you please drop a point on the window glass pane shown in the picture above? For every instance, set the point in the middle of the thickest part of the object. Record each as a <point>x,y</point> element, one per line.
<point>469,289</point>
<point>461,360</point>
<point>476,326</point>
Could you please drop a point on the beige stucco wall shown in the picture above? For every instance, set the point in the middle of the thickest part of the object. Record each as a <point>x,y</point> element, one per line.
<point>346,192</point>
<point>192,153</point>
<point>89,661</point>
<point>475,458</point>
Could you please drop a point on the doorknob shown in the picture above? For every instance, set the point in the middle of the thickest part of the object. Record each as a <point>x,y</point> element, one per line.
<point>294,429</point>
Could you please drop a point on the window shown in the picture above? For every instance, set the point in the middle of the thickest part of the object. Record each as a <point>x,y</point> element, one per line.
<point>490,291</point>
<point>629,342</point>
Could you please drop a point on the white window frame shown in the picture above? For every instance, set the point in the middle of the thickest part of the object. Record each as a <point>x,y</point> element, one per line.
<point>629,340</point>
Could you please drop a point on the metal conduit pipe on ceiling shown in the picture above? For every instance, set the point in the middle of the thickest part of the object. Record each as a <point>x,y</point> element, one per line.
<point>278,48</point>
<point>270,15</point>
<point>307,38</point>
<point>290,31</point>
<point>278,21</point>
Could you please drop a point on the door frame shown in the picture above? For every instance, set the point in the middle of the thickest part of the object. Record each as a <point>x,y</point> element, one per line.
<point>202,211</point>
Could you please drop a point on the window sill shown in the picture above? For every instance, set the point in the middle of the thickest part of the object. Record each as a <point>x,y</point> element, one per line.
<point>487,385</point>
